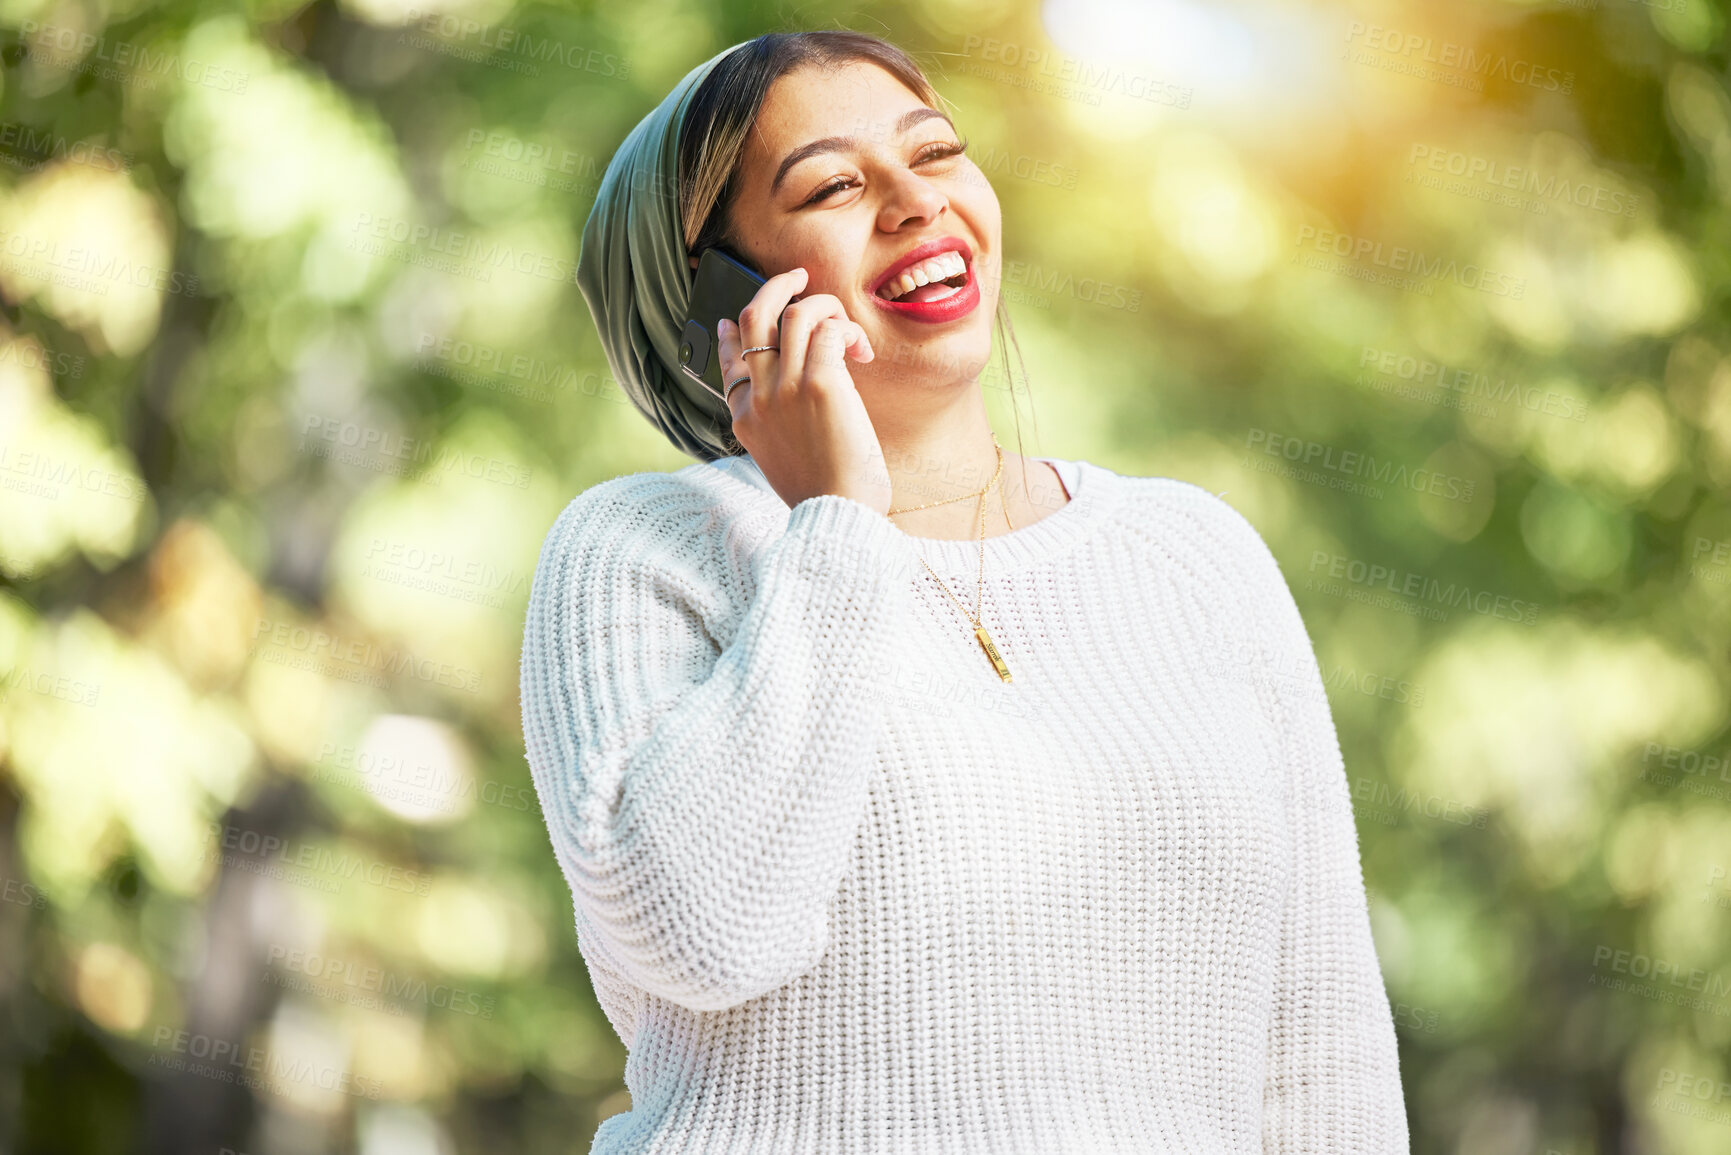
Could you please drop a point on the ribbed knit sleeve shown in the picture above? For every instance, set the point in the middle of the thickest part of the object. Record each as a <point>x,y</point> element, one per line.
<point>703,798</point>
<point>1333,1072</point>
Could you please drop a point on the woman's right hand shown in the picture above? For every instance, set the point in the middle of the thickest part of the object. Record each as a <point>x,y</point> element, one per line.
<point>799,416</point>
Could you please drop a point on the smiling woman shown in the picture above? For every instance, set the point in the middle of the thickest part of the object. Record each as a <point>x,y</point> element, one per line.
<point>850,871</point>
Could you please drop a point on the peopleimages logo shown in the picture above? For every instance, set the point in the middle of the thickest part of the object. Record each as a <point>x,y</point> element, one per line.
<point>1329,570</point>
<point>482,366</point>
<point>1695,1095</point>
<point>87,270</point>
<point>1449,62</point>
<point>352,659</point>
<point>49,685</point>
<point>522,51</point>
<point>468,254</point>
<point>52,477</point>
<point>69,48</point>
<point>1029,168</point>
<point>1425,373</point>
<point>374,447</point>
<point>1718,558</point>
<point>29,149</point>
<point>426,784</point>
<point>1317,456</point>
<point>1695,1086</point>
<point>272,855</point>
<point>340,979</point>
<point>1067,77</point>
<point>442,572</point>
<point>1653,977</point>
<point>1688,761</point>
<point>29,354</point>
<point>229,1062</point>
<point>1042,280</point>
<point>1495,176</point>
<point>1400,259</point>
<point>1384,803</point>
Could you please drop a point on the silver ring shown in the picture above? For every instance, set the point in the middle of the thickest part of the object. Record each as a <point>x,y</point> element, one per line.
<point>760,349</point>
<point>727,389</point>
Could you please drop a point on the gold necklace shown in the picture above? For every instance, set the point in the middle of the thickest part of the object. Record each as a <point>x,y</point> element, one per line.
<point>978,492</point>
<point>980,634</point>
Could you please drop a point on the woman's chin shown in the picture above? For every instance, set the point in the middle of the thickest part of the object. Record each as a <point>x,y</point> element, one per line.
<point>919,354</point>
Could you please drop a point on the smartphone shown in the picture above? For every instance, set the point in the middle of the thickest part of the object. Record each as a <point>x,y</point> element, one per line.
<point>723,287</point>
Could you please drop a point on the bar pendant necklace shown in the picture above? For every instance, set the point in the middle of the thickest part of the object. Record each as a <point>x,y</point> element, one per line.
<point>980,634</point>
<point>992,652</point>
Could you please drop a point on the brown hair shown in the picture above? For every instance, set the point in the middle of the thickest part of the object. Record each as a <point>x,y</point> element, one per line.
<point>713,134</point>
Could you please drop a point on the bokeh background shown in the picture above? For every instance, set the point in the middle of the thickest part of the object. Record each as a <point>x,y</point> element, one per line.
<point>294,379</point>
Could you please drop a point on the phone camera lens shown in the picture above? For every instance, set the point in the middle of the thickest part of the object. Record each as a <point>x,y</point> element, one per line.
<point>685,352</point>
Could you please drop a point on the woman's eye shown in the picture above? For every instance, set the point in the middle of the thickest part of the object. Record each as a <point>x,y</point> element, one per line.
<point>830,189</point>
<point>939,151</point>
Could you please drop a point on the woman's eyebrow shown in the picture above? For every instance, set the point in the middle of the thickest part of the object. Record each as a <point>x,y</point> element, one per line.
<point>843,143</point>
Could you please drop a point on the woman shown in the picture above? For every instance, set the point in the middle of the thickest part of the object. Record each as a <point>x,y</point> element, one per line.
<point>940,832</point>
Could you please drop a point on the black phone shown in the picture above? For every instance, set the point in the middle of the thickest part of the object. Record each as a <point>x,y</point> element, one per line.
<point>724,285</point>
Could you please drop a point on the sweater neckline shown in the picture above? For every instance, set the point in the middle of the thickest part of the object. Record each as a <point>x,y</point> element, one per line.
<point>1092,493</point>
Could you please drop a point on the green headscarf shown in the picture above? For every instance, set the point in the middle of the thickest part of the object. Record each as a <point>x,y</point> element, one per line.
<point>634,272</point>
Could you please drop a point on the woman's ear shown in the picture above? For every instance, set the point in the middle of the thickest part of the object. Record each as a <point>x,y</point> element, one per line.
<point>693,261</point>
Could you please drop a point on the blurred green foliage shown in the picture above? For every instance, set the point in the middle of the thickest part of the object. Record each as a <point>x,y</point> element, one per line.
<point>294,378</point>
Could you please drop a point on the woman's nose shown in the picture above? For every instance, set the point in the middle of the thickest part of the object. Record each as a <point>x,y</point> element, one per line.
<point>910,197</point>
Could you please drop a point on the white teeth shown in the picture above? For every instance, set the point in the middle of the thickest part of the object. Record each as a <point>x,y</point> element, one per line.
<point>939,268</point>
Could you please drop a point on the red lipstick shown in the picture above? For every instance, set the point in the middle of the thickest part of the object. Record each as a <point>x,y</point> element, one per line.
<point>958,304</point>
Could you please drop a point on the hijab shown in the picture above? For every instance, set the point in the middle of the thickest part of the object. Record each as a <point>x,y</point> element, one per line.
<point>636,276</point>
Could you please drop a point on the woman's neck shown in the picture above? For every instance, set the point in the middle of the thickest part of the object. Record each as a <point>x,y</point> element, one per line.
<point>1026,490</point>
<point>938,443</point>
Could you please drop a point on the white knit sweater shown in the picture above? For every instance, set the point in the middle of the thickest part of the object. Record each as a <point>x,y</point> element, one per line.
<point>840,889</point>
